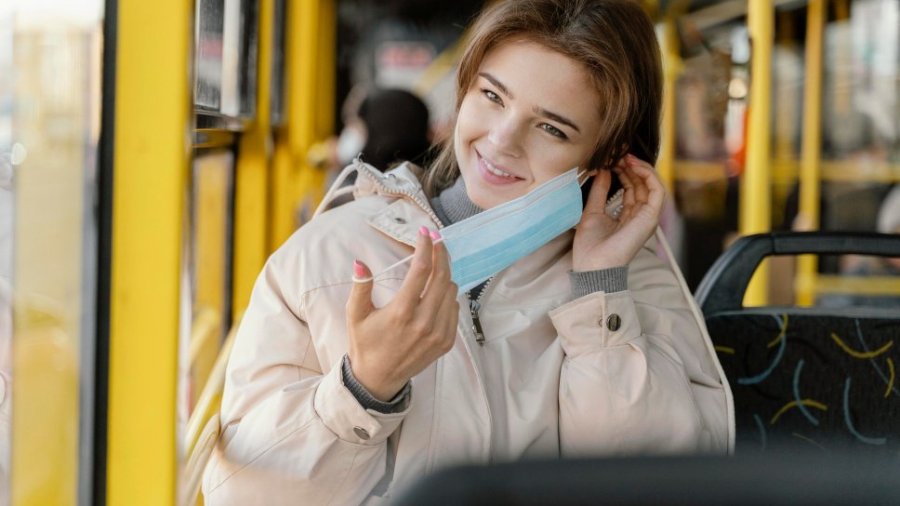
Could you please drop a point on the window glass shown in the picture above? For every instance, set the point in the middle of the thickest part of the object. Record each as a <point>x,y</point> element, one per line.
<point>50,73</point>
<point>207,278</point>
<point>226,55</point>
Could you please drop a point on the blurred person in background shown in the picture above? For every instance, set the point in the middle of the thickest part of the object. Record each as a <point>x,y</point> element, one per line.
<point>383,127</point>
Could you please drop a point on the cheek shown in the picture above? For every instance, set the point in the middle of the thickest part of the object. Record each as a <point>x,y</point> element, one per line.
<point>467,120</point>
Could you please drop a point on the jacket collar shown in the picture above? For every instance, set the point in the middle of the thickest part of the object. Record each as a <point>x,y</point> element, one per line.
<point>411,210</point>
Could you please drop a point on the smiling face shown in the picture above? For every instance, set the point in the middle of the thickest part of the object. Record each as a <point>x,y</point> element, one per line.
<point>529,116</point>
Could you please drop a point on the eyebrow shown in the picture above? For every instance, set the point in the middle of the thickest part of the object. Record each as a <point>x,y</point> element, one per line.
<point>538,110</point>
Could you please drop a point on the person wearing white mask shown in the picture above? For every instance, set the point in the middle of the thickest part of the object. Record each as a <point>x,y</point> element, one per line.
<point>499,305</point>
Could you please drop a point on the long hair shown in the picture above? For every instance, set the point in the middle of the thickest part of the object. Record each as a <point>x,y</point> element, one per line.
<point>616,43</point>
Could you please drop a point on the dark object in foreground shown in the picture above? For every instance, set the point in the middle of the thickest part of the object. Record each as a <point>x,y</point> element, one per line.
<point>772,478</point>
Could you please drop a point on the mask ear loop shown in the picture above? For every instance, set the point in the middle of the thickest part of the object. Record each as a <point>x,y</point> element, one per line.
<point>584,175</point>
<point>336,189</point>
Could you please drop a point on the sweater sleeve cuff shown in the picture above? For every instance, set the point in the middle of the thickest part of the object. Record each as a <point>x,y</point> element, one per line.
<point>366,399</point>
<point>614,279</point>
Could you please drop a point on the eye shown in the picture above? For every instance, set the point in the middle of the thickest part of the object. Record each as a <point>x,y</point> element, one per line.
<point>552,130</point>
<point>493,97</point>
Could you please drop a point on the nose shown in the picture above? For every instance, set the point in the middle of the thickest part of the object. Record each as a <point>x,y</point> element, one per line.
<point>506,135</point>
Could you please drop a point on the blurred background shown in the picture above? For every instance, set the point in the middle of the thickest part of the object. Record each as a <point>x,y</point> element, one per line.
<point>152,155</point>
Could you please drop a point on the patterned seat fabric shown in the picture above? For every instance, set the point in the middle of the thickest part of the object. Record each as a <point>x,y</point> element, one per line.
<point>804,381</point>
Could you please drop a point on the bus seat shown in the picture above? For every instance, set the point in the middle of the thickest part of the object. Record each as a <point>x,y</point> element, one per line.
<point>203,428</point>
<point>805,378</point>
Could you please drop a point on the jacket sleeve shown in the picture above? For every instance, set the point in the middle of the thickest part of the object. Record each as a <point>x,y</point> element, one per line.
<point>291,431</point>
<point>624,381</point>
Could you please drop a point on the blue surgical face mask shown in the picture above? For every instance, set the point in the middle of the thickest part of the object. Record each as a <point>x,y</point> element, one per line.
<point>485,244</point>
<point>490,241</point>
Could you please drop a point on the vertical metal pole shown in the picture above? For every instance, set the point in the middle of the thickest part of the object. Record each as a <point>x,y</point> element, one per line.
<point>671,69</point>
<point>810,162</point>
<point>152,160</point>
<point>252,178</point>
<point>755,195</point>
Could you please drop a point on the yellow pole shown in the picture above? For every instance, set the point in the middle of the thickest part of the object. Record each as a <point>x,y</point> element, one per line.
<point>755,197</point>
<point>151,163</point>
<point>810,171</point>
<point>313,94</point>
<point>671,69</point>
<point>310,51</point>
<point>252,178</point>
<point>292,176</point>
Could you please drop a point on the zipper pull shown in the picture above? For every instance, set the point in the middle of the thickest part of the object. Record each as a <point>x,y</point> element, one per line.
<point>474,306</point>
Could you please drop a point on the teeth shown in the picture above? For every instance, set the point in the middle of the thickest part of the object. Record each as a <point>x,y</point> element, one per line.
<point>495,170</point>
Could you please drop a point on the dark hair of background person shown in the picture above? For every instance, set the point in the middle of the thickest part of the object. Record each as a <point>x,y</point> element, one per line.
<point>397,128</point>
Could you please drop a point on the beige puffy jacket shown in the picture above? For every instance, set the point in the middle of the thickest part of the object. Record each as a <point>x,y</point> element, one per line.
<point>551,379</point>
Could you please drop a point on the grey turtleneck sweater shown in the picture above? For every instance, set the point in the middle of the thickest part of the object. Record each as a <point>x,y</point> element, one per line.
<point>451,206</point>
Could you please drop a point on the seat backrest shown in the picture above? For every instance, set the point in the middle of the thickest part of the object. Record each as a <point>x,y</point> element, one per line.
<point>805,378</point>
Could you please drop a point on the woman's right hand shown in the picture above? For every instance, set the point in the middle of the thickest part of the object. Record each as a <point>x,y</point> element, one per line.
<point>390,345</point>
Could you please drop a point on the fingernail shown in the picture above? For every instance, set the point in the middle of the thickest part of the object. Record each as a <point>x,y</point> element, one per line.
<point>359,270</point>
<point>435,235</point>
<point>423,231</point>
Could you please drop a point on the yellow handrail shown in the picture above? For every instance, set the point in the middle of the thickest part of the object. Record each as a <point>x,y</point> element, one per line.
<point>672,66</point>
<point>206,333</point>
<point>810,173</point>
<point>252,177</point>
<point>859,285</point>
<point>152,160</point>
<point>309,84</point>
<point>755,192</point>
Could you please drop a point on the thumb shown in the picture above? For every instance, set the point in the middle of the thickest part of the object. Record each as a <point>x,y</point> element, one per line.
<point>359,305</point>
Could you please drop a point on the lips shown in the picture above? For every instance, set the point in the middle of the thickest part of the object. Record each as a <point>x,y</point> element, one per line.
<point>495,174</point>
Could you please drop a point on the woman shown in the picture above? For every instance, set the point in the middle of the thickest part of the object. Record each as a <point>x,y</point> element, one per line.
<point>342,390</point>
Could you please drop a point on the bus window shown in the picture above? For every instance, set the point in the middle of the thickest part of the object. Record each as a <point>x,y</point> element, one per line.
<point>50,103</point>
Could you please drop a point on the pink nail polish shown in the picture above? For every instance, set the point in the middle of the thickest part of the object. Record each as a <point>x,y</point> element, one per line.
<point>359,270</point>
<point>435,235</point>
<point>423,231</point>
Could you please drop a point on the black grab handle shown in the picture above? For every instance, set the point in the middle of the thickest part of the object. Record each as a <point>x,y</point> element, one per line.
<point>723,286</point>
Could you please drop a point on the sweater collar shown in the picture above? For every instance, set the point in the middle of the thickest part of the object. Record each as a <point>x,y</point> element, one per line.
<point>453,204</point>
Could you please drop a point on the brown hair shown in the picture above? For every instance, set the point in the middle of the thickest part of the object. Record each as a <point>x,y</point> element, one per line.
<point>613,39</point>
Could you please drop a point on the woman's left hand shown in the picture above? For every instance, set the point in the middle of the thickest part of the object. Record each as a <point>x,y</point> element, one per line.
<point>602,241</point>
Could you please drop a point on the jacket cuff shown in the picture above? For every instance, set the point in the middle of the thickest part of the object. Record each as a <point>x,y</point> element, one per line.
<point>598,320</point>
<point>366,399</point>
<point>347,419</point>
<point>614,279</point>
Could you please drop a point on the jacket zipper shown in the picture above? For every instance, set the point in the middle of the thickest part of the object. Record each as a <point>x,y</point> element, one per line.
<point>474,307</point>
<point>391,191</point>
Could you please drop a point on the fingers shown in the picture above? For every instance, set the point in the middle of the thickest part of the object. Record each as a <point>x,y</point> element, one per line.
<point>640,185</point>
<point>450,317</point>
<point>443,321</point>
<point>599,189</point>
<point>359,305</point>
<point>419,271</point>
<point>653,192</point>
<point>622,170</point>
<point>439,282</point>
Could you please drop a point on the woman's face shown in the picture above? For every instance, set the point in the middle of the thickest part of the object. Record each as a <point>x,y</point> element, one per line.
<point>529,115</point>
